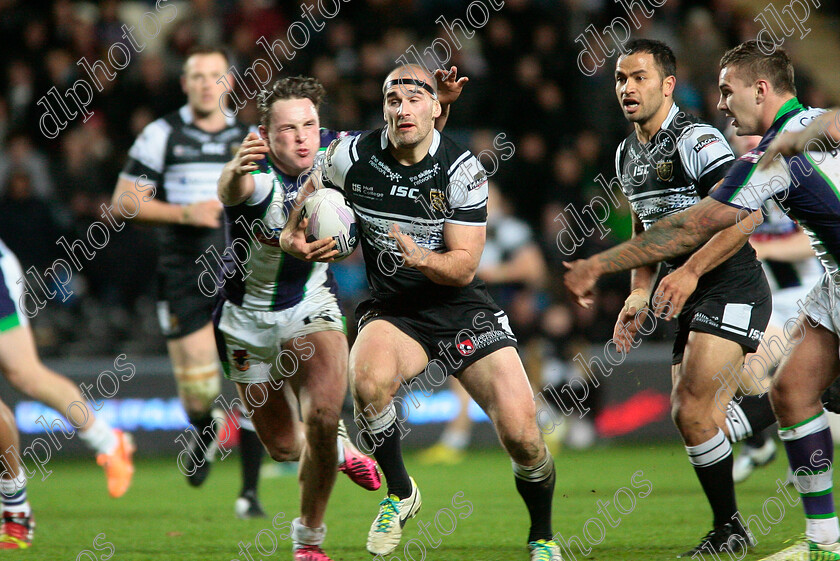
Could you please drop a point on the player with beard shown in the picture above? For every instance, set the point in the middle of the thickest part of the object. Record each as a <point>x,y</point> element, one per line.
<point>718,294</point>
<point>275,309</point>
<point>758,91</point>
<point>420,200</point>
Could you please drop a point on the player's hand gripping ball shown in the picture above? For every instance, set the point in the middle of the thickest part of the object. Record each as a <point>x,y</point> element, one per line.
<point>331,217</point>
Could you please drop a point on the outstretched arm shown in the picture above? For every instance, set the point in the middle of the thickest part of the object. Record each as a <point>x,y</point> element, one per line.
<point>676,287</point>
<point>671,236</point>
<point>235,184</point>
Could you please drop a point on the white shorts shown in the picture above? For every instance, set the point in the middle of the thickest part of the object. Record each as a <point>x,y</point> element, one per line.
<point>823,304</point>
<point>785,303</point>
<point>251,342</point>
<point>11,291</point>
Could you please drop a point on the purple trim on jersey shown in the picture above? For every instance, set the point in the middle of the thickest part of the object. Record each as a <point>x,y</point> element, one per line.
<point>7,305</point>
<point>293,273</point>
<point>811,200</point>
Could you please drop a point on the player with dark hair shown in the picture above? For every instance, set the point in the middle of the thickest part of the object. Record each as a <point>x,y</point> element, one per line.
<point>422,243</point>
<point>273,306</point>
<point>758,91</point>
<point>718,294</point>
<point>171,173</point>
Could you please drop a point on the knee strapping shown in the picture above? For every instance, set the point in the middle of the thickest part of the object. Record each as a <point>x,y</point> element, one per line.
<point>536,473</point>
<point>378,422</point>
<point>199,382</point>
<point>737,424</point>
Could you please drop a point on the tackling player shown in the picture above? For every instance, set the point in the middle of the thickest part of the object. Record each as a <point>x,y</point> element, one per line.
<point>422,245</point>
<point>21,366</point>
<point>177,160</point>
<point>274,306</point>
<point>758,91</point>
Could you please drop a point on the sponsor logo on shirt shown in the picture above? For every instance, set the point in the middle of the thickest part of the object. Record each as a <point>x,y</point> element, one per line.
<point>383,168</point>
<point>214,148</point>
<point>478,180</point>
<point>185,151</point>
<point>752,156</point>
<point>401,191</point>
<point>705,140</point>
<point>425,175</point>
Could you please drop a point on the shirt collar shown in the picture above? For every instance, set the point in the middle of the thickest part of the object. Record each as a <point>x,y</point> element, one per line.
<point>792,104</point>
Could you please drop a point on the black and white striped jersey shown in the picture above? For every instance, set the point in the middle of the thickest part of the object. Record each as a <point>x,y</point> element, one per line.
<point>184,163</point>
<point>448,186</point>
<point>678,167</point>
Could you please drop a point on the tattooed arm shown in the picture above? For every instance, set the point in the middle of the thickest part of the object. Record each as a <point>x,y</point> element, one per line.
<point>671,236</point>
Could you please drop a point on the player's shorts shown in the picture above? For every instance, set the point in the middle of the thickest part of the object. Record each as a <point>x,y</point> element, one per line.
<point>11,315</point>
<point>785,304</point>
<point>182,308</point>
<point>823,304</point>
<point>734,304</point>
<point>456,335</point>
<point>250,341</point>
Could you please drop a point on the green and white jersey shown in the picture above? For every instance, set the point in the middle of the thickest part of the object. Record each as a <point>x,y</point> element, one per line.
<point>806,186</point>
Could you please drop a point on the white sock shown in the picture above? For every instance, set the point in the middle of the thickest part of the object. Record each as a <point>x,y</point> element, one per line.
<point>455,438</point>
<point>822,530</point>
<point>302,535</point>
<point>14,494</point>
<point>23,509</point>
<point>100,437</point>
<point>340,451</point>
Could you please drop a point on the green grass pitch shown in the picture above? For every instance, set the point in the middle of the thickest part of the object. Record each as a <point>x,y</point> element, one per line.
<point>161,517</point>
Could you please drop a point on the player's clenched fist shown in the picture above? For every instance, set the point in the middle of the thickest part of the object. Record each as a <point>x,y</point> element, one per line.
<point>252,150</point>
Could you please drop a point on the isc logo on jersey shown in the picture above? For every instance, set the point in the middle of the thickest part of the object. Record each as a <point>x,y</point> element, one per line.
<point>400,191</point>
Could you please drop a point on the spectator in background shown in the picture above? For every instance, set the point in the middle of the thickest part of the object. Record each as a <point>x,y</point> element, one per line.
<point>21,154</point>
<point>527,51</point>
<point>28,223</point>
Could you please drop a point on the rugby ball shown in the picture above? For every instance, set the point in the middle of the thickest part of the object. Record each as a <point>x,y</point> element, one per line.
<point>331,217</point>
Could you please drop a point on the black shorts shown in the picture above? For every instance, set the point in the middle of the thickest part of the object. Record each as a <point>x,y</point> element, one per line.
<point>733,303</point>
<point>456,335</point>
<point>182,308</point>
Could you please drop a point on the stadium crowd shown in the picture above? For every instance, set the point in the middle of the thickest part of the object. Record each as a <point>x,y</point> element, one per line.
<point>524,83</point>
